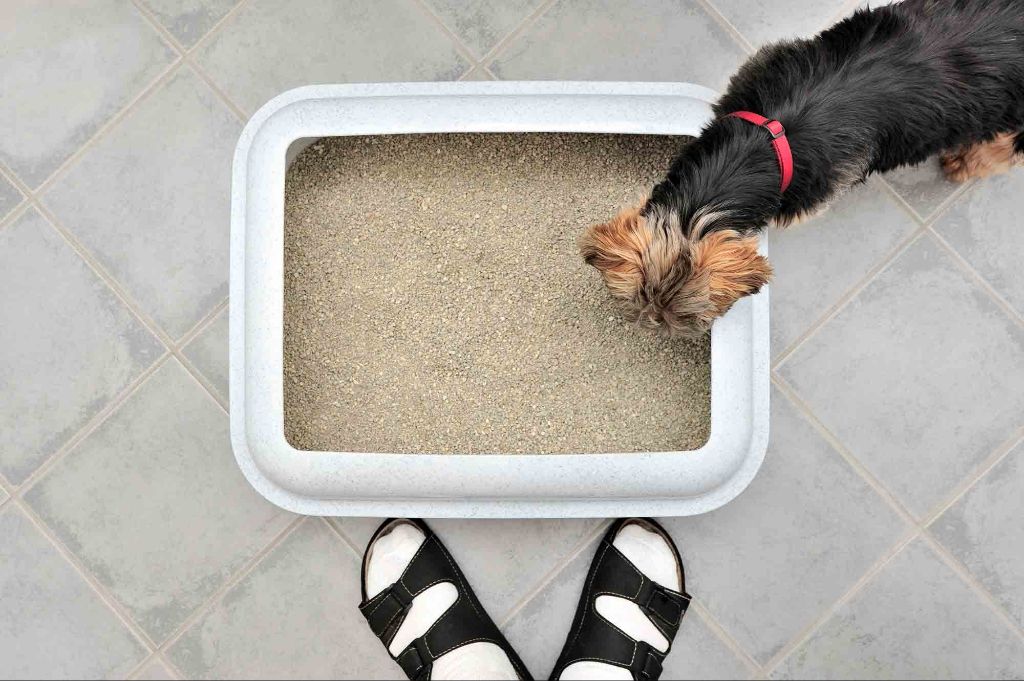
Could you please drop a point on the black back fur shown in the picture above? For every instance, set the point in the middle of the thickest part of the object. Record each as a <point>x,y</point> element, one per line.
<point>886,87</point>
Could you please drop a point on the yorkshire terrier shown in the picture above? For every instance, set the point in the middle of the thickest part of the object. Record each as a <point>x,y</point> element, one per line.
<point>883,88</point>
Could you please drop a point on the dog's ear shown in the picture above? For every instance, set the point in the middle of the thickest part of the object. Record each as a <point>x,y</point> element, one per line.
<point>729,266</point>
<point>616,248</point>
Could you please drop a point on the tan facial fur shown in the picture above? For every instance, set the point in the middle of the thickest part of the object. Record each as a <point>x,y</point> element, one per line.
<point>665,280</point>
<point>616,249</point>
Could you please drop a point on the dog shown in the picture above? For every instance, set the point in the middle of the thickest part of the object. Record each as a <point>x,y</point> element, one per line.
<point>801,122</point>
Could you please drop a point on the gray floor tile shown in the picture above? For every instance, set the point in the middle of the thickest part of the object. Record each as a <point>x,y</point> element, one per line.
<point>762,23</point>
<point>698,653</point>
<point>52,623</point>
<point>151,201</point>
<point>188,520</point>
<point>924,187</point>
<point>10,197</point>
<point>477,73</point>
<point>155,671</point>
<point>539,629</point>
<point>189,20</point>
<point>984,227</point>
<point>984,530</point>
<point>915,620</point>
<point>295,616</point>
<point>481,24</point>
<point>67,69</point>
<point>597,40</point>
<point>818,262</point>
<point>505,559</point>
<point>265,48</point>
<point>68,348</point>
<point>358,530</point>
<point>919,376</point>
<point>209,353</point>
<point>800,536</point>
<point>3,496</point>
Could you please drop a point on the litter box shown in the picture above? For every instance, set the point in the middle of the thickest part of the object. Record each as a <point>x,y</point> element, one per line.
<point>455,485</point>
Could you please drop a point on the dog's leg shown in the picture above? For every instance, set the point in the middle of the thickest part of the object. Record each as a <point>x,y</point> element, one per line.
<point>983,159</point>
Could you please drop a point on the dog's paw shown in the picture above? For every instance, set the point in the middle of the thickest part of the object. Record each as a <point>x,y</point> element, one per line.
<point>955,166</point>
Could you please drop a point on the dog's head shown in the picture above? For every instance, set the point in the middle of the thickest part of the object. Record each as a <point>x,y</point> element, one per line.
<point>671,281</point>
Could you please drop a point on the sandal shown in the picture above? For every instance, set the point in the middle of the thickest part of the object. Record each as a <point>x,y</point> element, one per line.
<point>463,623</point>
<point>593,638</point>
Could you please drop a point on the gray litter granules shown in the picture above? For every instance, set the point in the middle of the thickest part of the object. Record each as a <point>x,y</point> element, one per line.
<point>435,300</point>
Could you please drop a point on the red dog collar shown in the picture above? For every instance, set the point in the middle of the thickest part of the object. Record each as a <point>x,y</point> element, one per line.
<point>779,142</point>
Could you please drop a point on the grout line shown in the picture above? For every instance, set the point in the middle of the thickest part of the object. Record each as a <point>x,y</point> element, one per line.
<point>936,212</point>
<point>138,669</point>
<point>136,673</point>
<point>582,545</point>
<point>980,471</point>
<point>836,308</point>
<point>171,669</point>
<point>99,270</point>
<point>830,611</point>
<point>203,324</point>
<point>726,638</point>
<point>19,208</point>
<point>917,528</point>
<point>91,426</point>
<point>969,270</point>
<point>823,430</point>
<point>15,213</point>
<point>224,588</point>
<point>721,20</point>
<point>460,46</point>
<point>343,537</point>
<point>104,594</point>
<point>162,78</point>
<point>965,575</point>
<point>489,57</point>
<point>6,486</point>
<point>898,198</point>
<point>477,69</point>
<point>187,53</point>
<point>203,383</point>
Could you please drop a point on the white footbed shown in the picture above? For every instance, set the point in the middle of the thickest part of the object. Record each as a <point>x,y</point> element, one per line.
<point>388,557</point>
<point>652,555</point>
<point>392,553</point>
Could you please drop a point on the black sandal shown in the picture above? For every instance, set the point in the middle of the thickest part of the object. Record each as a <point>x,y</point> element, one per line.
<point>594,638</point>
<point>463,623</point>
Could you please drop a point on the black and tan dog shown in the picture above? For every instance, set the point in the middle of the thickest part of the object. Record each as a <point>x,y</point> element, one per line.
<point>884,88</point>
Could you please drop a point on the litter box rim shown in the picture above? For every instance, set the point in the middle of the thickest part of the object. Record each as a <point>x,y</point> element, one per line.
<point>450,485</point>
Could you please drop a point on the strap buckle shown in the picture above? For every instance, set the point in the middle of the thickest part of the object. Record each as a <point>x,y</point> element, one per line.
<point>666,605</point>
<point>415,659</point>
<point>775,128</point>
<point>646,662</point>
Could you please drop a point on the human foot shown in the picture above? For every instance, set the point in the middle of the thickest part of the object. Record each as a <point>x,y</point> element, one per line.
<point>419,604</point>
<point>631,607</point>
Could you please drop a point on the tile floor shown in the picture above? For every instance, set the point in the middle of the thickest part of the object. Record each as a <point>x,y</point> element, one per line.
<point>881,539</point>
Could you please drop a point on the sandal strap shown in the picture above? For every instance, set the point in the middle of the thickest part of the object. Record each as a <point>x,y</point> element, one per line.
<point>416,660</point>
<point>592,637</point>
<point>464,622</point>
<point>619,577</point>
<point>386,611</point>
<point>646,662</point>
<point>667,605</point>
